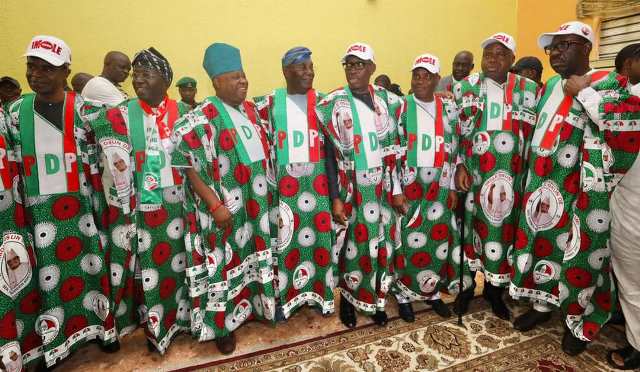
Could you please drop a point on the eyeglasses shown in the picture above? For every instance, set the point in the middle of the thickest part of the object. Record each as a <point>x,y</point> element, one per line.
<point>359,65</point>
<point>560,47</point>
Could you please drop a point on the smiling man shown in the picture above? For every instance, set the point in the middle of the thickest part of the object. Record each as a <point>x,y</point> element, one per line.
<point>305,267</point>
<point>585,140</point>
<point>223,149</point>
<point>497,110</point>
<point>49,132</point>
<point>359,120</point>
<point>144,213</point>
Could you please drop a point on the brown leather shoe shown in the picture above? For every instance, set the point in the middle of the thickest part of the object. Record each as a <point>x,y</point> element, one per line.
<point>226,344</point>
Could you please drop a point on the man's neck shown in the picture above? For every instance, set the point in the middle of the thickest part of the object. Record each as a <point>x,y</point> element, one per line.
<point>192,102</point>
<point>426,98</point>
<point>229,102</point>
<point>55,97</point>
<point>154,102</point>
<point>361,90</point>
<point>293,90</point>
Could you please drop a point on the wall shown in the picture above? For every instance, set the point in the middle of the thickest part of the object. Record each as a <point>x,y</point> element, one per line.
<point>398,30</point>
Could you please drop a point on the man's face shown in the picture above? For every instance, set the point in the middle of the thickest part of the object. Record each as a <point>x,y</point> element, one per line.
<point>633,70</point>
<point>45,78</point>
<point>496,61</point>
<point>8,92</point>
<point>383,81</point>
<point>544,207</point>
<point>503,196</point>
<point>188,94</point>
<point>462,66</point>
<point>120,165</point>
<point>567,52</point>
<point>358,72</point>
<point>300,76</point>
<point>231,87</point>
<point>148,84</point>
<point>532,74</point>
<point>423,82</point>
<point>119,68</point>
<point>14,263</point>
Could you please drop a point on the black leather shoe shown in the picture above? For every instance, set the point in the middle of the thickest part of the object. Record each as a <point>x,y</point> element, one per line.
<point>280,318</point>
<point>530,320</point>
<point>380,318</point>
<point>151,347</point>
<point>461,304</point>
<point>406,312</point>
<point>226,344</point>
<point>630,358</point>
<point>572,345</point>
<point>494,296</point>
<point>111,348</point>
<point>439,307</point>
<point>347,313</point>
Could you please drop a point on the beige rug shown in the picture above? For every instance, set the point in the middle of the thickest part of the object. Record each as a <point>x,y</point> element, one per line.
<point>485,343</point>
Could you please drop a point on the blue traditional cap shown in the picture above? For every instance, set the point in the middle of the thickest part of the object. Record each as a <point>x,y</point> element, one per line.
<point>220,58</point>
<point>296,55</point>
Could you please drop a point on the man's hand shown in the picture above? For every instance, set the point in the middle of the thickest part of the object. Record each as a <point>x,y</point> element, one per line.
<point>338,212</point>
<point>453,196</point>
<point>462,178</point>
<point>222,217</point>
<point>399,204</point>
<point>575,84</point>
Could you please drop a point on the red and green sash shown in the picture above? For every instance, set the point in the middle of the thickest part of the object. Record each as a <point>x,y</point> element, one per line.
<point>553,109</point>
<point>494,110</point>
<point>297,142</point>
<point>153,163</point>
<point>246,138</point>
<point>425,138</point>
<point>49,157</point>
<point>366,146</point>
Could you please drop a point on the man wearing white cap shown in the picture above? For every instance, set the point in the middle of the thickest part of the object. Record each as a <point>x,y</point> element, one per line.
<point>584,141</point>
<point>49,128</point>
<point>497,112</point>
<point>359,119</point>
<point>430,238</point>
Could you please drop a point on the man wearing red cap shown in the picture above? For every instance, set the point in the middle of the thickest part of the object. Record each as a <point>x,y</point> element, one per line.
<point>497,112</point>
<point>359,119</point>
<point>585,140</point>
<point>50,132</point>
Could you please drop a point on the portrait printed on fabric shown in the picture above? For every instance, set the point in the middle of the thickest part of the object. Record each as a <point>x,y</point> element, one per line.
<point>15,268</point>
<point>10,357</point>
<point>496,197</point>
<point>544,207</point>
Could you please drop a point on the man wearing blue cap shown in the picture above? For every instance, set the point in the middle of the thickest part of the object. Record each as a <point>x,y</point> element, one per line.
<point>304,266</point>
<point>223,150</point>
<point>359,120</point>
<point>144,213</point>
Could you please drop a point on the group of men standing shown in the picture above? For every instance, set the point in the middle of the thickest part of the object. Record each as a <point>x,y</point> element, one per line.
<point>196,217</point>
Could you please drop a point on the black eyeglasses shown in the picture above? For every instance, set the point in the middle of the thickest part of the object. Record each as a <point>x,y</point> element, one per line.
<point>560,47</point>
<point>359,65</point>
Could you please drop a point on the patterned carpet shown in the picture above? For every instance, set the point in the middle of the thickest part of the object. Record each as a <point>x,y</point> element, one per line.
<point>485,343</point>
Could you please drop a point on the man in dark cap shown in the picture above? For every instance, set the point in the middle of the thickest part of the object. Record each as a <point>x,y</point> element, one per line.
<point>105,89</point>
<point>298,156</point>
<point>79,80</point>
<point>529,67</point>
<point>187,87</point>
<point>149,192</point>
<point>223,150</point>
<point>9,90</point>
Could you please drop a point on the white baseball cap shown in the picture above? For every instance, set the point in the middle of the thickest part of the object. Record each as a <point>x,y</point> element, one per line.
<point>427,61</point>
<point>360,50</point>
<point>569,28</point>
<point>49,48</point>
<point>502,38</point>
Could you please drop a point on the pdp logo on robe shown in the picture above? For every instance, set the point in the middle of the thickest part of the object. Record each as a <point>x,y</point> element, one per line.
<point>47,327</point>
<point>240,313</point>
<point>15,268</point>
<point>545,271</point>
<point>496,197</point>
<point>544,207</point>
